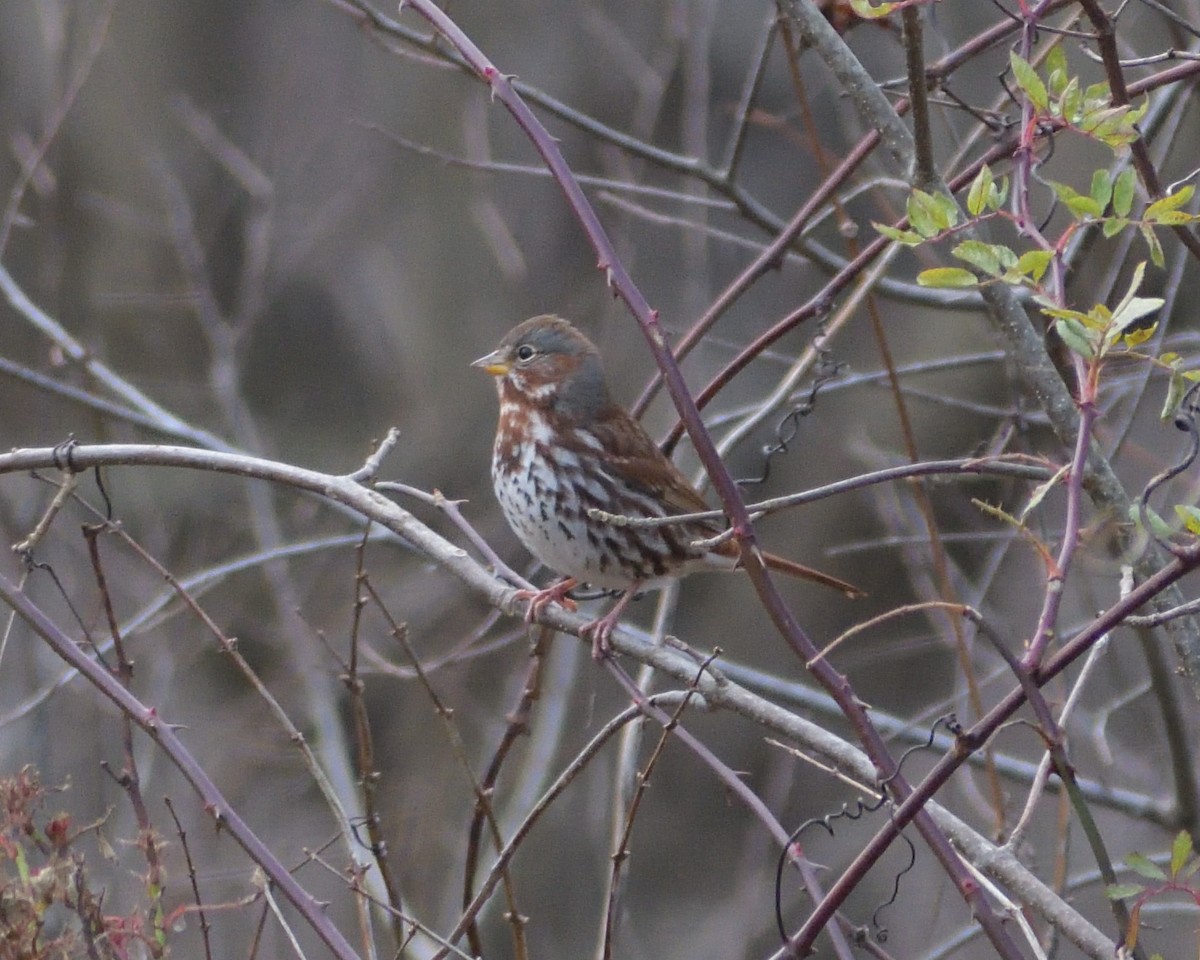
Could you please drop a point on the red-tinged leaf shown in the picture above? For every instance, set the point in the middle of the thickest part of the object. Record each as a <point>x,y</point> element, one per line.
<point>1135,926</point>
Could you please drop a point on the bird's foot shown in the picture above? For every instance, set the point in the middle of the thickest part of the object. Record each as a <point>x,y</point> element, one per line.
<point>555,593</point>
<point>601,630</point>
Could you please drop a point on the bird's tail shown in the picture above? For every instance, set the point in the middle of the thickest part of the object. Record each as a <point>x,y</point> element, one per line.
<point>801,572</point>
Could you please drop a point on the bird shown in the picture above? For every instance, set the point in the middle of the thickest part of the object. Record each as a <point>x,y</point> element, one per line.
<point>563,448</point>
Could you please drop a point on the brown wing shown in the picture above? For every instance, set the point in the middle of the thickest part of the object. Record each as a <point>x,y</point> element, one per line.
<point>632,456</point>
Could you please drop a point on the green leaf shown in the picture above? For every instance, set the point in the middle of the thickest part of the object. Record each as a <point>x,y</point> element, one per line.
<point>947,277</point>
<point>1131,308</point>
<point>1075,335</point>
<point>1173,201</point>
<point>1133,311</point>
<point>931,213</point>
<point>1096,96</point>
<point>1051,309</point>
<point>1080,205</point>
<point>1056,70</point>
<point>1070,101</point>
<point>1181,849</point>
<point>1119,891</point>
<point>981,191</point>
<point>1156,250</point>
<point>1135,284</point>
<point>921,214</point>
<point>1176,388</point>
<point>1028,80</point>
<point>1033,263</point>
<point>906,237</point>
<point>1122,200</point>
<point>1191,521</point>
<point>999,194</point>
<point>1175,218</point>
<point>945,210</point>
<point>1113,226</point>
<point>1102,188</point>
<point>1145,867</point>
<point>1158,526</point>
<point>1105,122</point>
<point>991,258</point>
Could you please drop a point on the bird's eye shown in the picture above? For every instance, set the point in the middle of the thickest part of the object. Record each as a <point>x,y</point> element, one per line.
<point>525,353</point>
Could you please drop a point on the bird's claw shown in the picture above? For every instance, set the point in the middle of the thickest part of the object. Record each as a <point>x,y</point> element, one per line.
<point>540,599</point>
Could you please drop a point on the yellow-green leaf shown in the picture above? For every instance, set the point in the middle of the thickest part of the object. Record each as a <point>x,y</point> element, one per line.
<point>981,189</point>
<point>1191,521</point>
<point>1181,849</point>
<point>1135,338</point>
<point>922,215</point>
<point>947,277</point>
<point>1033,263</point>
<point>871,11</point>
<point>990,258</point>
<point>1172,201</point>
<point>1174,218</point>
<point>907,237</point>
<point>1081,206</point>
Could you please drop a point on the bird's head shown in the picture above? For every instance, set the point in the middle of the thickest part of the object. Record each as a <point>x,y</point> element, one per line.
<point>546,362</point>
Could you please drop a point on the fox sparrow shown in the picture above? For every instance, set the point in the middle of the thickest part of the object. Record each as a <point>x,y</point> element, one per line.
<point>564,447</point>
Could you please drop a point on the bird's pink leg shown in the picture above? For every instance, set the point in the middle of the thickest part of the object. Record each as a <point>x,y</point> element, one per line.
<point>555,593</point>
<point>601,630</point>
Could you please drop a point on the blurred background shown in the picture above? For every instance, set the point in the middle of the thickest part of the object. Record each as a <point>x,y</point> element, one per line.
<point>294,230</point>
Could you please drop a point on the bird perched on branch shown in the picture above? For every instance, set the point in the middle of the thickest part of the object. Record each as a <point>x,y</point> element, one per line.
<point>564,448</point>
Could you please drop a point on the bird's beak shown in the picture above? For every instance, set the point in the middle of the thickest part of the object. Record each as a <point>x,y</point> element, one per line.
<point>494,363</point>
